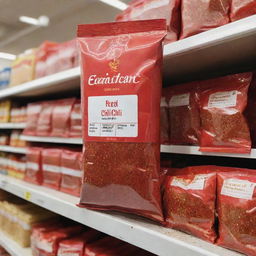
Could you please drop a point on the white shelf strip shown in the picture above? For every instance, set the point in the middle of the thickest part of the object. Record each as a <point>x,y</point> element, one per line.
<point>132,229</point>
<point>11,149</point>
<point>12,247</point>
<point>12,125</point>
<point>77,141</point>
<point>194,150</point>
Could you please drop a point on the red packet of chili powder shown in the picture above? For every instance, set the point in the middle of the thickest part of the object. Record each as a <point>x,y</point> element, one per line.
<point>189,202</point>
<point>242,8</point>
<point>121,115</point>
<point>237,211</point>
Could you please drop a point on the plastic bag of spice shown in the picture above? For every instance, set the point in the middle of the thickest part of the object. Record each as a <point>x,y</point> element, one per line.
<point>237,211</point>
<point>201,15</point>
<point>71,172</point>
<point>51,158</point>
<point>223,124</point>
<point>61,117</point>
<point>76,120</point>
<point>164,122</point>
<point>121,111</point>
<point>189,202</point>
<point>155,9</point>
<point>242,8</point>
<point>184,117</point>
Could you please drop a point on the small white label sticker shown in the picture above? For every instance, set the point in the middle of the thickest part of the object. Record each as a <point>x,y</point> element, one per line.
<point>179,100</point>
<point>196,184</point>
<point>51,168</point>
<point>236,188</point>
<point>222,99</point>
<point>113,116</point>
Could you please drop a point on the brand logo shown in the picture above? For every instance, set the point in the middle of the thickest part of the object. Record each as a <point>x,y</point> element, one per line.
<point>114,65</point>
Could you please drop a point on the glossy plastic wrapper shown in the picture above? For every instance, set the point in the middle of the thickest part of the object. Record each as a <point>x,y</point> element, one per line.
<point>201,15</point>
<point>164,122</point>
<point>222,104</point>
<point>121,115</point>
<point>189,202</point>
<point>237,211</point>
<point>76,120</point>
<point>242,8</point>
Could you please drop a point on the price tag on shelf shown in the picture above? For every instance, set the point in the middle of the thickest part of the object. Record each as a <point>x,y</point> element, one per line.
<point>27,195</point>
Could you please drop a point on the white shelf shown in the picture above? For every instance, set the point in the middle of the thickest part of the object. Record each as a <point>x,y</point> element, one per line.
<point>12,125</point>
<point>59,82</point>
<point>134,230</point>
<point>194,150</point>
<point>10,149</point>
<point>77,141</point>
<point>12,247</point>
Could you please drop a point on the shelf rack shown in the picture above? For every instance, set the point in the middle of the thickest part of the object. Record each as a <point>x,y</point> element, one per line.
<point>11,149</point>
<point>134,230</point>
<point>12,125</point>
<point>12,247</point>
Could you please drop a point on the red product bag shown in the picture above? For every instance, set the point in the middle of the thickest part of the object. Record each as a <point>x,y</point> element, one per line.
<point>189,202</point>
<point>201,15</point>
<point>222,103</point>
<point>61,117</point>
<point>33,112</point>
<point>44,124</point>
<point>121,129</point>
<point>155,9</point>
<point>184,117</point>
<point>76,121</point>
<point>237,211</point>
<point>71,180</point>
<point>164,122</point>
<point>242,8</point>
<point>34,173</point>
<point>51,158</point>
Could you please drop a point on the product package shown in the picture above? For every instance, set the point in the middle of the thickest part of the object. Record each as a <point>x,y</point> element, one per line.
<point>61,117</point>
<point>201,15</point>
<point>222,104</point>
<point>242,8</point>
<point>51,158</point>
<point>184,117</point>
<point>34,173</point>
<point>33,112</point>
<point>164,122</point>
<point>189,202</point>
<point>76,120</point>
<point>121,129</point>
<point>155,9</point>
<point>236,211</point>
<point>71,180</point>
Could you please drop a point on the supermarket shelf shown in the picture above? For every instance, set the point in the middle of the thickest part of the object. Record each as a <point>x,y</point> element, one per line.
<point>12,247</point>
<point>12,125</point>
<point>52,139</point>
<point>134,230</point>
<point>11,149</point>
<point>59,82</point>
<point>194,150</point>
<point>227,49</point>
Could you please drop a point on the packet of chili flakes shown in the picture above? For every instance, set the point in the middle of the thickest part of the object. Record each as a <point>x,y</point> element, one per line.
<point>121,112</point>
<point>189,201</point>
<point>237,210</point>
<point>222,102</point>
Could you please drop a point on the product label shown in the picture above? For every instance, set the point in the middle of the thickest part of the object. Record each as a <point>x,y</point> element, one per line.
<point>45,245</point>
<point>71,172</point>
<point>51,168</point>
<point>64,252</point>
<point>196,184</point>
<point>33,166</point>
<point>113,116</point>
<point>179,100</point>
<point>236,188</point>
<point>222,99</point>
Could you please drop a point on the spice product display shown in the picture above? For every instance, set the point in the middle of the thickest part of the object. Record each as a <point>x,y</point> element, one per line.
<point>242,8</point>
<point>4,139</point>
<point>164,122</point>
<point>16,166</point>
<point>5,108</point>
<point>121,130</point>
<point>18,114</point>
<point>184,117</point>
<point>34,172</point>
<point>15,139</point>
<point>155,9</point>
<point>222,103</point>
<point>51,159</point>
<point>71,179</point>
<point>236,211</point>
<point>76,120</point>
<point>189,202</point>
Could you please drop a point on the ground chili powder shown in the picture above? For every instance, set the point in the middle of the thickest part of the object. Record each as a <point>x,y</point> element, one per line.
<point>121,115</point>
<point>237,211</point>
<point>224,127</point>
